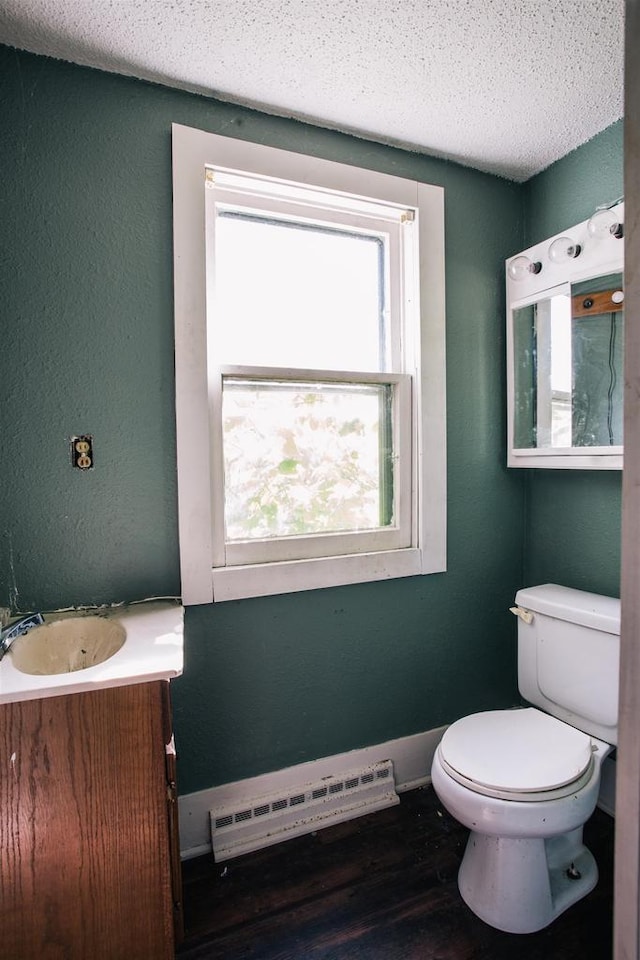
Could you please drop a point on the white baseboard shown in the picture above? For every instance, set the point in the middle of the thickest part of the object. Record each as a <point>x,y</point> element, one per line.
<point>411,758</point>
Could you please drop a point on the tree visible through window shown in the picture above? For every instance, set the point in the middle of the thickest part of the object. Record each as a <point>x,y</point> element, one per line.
<point>305,458</point>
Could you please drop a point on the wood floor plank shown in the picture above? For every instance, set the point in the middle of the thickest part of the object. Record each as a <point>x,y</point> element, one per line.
<point>379,888</point>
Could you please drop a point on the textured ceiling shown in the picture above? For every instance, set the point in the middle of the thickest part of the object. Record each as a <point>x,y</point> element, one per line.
<point>507,86</point>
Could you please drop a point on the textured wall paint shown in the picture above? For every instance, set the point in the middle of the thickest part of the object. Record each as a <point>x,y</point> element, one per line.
<point>569,191</point>
<point>573,516</point>
<point>88,347</point>
<point>87,342</point>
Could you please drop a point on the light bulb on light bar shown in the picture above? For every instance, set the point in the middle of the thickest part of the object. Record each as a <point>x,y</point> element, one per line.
<point>521,266</point>
<point>604,223</point>
<point>564,249</point>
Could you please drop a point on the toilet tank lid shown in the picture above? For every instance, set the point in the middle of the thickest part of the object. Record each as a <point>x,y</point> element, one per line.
<point>576,606</point>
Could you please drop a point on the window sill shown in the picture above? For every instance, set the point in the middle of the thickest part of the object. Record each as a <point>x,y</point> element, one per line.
<point>263,580</point>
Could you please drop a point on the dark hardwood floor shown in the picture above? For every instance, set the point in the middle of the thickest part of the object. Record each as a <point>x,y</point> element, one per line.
<point>382,887</point>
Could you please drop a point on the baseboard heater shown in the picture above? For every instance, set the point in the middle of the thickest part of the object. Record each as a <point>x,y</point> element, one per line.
<point>274,817</point>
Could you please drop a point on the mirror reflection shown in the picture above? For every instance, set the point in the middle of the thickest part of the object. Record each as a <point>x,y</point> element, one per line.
<point>568,370</point>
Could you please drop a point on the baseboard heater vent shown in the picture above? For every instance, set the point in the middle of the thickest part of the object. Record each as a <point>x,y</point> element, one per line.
<point>274,817</point>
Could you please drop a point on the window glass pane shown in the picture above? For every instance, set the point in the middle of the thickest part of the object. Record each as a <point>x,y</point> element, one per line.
<point>306,458</point>
<point>296,295</point>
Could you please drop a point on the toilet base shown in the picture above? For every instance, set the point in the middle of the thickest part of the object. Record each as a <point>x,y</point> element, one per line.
<point>521,886</point>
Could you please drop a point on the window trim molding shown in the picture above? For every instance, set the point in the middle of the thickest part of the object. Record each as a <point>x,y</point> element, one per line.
<point>193,151</point>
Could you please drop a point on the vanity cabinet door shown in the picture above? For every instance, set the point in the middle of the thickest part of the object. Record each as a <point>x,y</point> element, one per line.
<point>172,802</point>
<point>84,838</point>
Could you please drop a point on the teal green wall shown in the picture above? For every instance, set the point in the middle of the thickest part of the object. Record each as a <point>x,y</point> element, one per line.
<point>569,191</point>
<point>572,531</point>
<point>87,328</point>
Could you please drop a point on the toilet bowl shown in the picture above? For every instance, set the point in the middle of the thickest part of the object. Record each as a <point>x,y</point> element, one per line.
<point>525,781</point>
<point>525,862</point>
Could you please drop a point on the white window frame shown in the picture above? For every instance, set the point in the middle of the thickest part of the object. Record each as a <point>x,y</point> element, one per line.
<point>195,151</point>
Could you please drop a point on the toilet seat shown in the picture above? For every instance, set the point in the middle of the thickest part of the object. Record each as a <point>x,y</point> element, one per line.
<point>521,754</point>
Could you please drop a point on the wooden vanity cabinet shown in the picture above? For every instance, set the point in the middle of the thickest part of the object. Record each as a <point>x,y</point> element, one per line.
<point>88,827</point>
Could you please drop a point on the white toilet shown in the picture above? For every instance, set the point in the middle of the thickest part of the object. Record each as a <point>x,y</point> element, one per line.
<point>525,781</point>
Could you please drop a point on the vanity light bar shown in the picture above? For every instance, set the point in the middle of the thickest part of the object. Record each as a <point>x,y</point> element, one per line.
<point>605,222</point>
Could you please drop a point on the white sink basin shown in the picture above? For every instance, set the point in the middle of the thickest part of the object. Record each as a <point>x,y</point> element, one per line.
<point>67,645</point>
<point>81,651</point>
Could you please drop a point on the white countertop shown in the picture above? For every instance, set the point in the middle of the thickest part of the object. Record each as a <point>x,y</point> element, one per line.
<point>153,650</point>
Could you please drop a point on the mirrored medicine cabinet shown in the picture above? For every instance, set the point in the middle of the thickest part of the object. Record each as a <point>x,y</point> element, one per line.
<point>565,337</point>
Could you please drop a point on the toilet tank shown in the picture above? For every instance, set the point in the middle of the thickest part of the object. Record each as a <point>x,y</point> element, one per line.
<point>568,656</point>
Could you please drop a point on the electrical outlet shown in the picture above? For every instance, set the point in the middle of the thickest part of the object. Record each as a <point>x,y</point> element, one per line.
<point>82,452</point>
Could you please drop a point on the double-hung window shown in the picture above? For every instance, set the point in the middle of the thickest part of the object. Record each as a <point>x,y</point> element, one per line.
<point>309,371</point>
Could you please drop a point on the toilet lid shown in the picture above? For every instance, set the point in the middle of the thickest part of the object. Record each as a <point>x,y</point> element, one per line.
<point>524,751</point>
